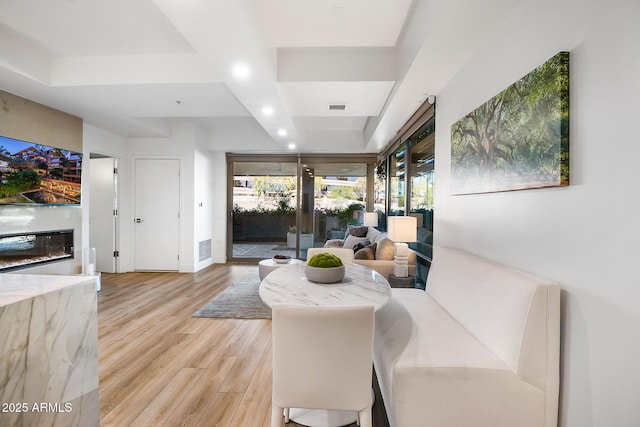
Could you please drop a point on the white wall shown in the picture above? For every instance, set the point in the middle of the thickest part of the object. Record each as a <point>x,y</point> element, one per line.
<point>220,214</point>
<point>583,236</point>
<point>205,199</point>
<point>202,181</point>
<point>189,143</point>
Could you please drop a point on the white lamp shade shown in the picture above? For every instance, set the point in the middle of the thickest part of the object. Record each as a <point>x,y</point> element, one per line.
<point>371,219</point>
<point>402,228</point>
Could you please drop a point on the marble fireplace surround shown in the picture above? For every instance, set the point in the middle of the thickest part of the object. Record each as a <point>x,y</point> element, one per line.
<point>27,249</point>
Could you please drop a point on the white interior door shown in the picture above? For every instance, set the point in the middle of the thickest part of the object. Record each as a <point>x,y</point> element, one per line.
<point>157,214</point>
<point>102,218</point>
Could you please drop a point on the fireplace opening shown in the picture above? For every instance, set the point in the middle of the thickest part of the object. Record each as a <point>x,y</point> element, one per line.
<point>24,250</point>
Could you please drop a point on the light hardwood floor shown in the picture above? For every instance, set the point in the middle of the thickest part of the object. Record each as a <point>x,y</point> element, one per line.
<point>161,367</point>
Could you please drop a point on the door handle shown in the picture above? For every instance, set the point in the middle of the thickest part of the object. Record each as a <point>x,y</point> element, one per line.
<point>138,221</point>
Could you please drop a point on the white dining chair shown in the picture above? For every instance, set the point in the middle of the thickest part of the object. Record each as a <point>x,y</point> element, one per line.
<point>322,359</point>
<point>345,254</point>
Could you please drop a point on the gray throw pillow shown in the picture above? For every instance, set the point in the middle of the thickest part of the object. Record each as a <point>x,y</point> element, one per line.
<point>358,231</point>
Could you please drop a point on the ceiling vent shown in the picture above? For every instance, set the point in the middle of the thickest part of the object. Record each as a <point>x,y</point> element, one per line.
<point>337,107</point>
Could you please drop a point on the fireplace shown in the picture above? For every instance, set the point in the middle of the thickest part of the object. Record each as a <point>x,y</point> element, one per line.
<point>22,250</point>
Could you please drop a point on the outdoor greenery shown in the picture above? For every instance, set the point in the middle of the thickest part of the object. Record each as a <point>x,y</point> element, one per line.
<point>422,191</point>
<point>518,139</point>
<point>266,211</point>
<point>345,215</point>
<point>273,191</point>
<point>17,182</point>
<point>274,195</point>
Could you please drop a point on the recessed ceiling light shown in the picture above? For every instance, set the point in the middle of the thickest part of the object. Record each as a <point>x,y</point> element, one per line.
<point>241,71</point>
<point>282,132</point>
<point>267,111</point>
<point>292,146</point>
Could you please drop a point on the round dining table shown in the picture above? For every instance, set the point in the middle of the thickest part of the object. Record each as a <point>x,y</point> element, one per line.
<point>360,286</point>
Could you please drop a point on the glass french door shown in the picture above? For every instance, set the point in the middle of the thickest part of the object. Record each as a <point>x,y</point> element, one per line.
<point>334,195</point>
<point>263,208</point>
<point>284,205</point>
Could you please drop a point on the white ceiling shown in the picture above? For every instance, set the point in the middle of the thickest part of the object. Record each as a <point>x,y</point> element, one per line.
<point>133,66</point>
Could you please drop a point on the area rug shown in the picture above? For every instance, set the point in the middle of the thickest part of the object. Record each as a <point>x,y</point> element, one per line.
<point>240,301</point>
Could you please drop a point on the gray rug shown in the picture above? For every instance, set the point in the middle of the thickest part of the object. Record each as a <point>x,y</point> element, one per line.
<point>240,301</point>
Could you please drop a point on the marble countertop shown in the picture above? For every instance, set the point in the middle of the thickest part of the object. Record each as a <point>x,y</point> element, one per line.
<point>361,286</point>
<point>18,287</point>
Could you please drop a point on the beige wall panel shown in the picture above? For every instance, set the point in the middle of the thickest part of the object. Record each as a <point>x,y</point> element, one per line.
<point>29,121</point>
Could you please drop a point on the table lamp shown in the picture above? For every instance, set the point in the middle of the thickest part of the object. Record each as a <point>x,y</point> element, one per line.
<point>402,229</point>
<point>371,219</point>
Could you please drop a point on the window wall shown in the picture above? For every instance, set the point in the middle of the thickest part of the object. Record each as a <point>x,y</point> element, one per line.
<point>409,164</point>
<point>397,181</point>
<point>287,204</point>
<point>421,183</point>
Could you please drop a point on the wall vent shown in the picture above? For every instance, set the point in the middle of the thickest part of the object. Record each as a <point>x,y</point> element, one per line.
<point>337,107</point>
<point>204,250</point>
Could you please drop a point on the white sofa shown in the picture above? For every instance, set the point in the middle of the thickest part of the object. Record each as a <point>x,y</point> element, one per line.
<point>383,257</point>
<point>480,347</point>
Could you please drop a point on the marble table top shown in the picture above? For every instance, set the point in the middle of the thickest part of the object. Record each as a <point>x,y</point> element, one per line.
<point>18,287</point>
<point>360,286</point>
<point>269,262</point>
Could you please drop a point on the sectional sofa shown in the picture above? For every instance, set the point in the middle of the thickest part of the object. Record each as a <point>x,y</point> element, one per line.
<point>376,251</point>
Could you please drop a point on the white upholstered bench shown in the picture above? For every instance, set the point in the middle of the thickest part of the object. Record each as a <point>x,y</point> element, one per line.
<point>479,347</point>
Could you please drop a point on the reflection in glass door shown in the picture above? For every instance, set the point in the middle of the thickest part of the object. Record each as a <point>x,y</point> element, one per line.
<point>397,183</point>
<point>422,149</point>
<point>333,196</point>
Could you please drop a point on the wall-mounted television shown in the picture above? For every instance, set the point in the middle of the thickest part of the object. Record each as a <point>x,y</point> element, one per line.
<point>38,174</point>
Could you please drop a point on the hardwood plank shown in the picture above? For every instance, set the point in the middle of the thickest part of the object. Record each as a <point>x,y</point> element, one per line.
<point>221,410</point>
<point>160,366</point>
<point>257,398</point>
<point>117,384</point>
<point>168,399</point>
<point>245,366</point>
<point>198,406</point>
<point>240,339</point>
<point>140,395</point>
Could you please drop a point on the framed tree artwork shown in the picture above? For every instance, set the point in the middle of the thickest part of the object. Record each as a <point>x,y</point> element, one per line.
<point>519,139</point>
